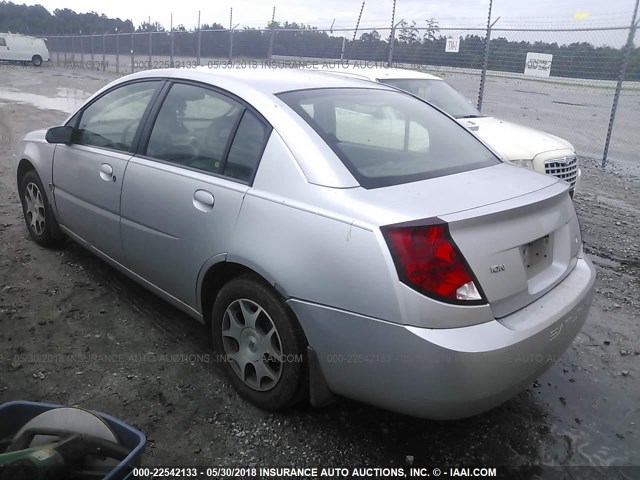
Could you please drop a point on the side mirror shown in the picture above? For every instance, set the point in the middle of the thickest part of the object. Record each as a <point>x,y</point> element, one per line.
<point>60,135</point>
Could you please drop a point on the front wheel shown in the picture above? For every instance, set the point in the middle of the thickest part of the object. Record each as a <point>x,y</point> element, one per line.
<point>261,343</point>
<point>40,221</point>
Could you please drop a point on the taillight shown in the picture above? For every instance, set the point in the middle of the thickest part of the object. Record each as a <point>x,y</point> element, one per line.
<point>428,260</point>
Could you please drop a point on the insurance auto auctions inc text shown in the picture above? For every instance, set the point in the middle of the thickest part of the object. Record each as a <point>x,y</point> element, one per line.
<point>374,472</point>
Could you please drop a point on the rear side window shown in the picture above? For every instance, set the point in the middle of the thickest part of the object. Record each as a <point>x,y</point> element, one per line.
<point>113,120</point>
<point>194,127</point>
<point>3,42</point>
<point>206,130</point>
<point>247,148</point>
<point>386,137</point>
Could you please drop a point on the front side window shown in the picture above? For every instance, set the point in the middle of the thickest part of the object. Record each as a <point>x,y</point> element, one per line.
<point>113,120</point>
<point>3,42</point>
<point>386,137</point>
<point>199,128</point>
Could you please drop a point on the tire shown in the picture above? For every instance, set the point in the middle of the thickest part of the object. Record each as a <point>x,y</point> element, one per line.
<point>267,363</point>
<point>36,61</point>
<point>36,208</point>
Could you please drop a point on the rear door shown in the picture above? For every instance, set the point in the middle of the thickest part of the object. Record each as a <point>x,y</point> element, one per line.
<point>5,49</point>
<point>88,174</point>
<point>183,192</point>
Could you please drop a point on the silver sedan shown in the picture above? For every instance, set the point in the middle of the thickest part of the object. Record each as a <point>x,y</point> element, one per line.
<point>339,238</point>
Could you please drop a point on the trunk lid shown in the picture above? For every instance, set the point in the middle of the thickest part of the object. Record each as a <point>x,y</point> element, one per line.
<point>520,248</point>
<point>516,229</point>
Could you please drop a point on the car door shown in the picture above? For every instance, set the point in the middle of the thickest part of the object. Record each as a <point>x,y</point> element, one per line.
<point>183,192</point>
<point>88,174</point>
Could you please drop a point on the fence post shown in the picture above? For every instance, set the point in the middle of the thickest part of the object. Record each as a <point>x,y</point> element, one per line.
<point>81,51</point>
<point>150,45</point>
<point>58,51</point>
<point>393,34</point>
<point>273,33</point>
<point>104,52</point>
<point>485,62</point>
<point>117,51</point>
<point>199,40</point>
<point>231,28</point>
<point>271,40</point>
<point>73,51</point>
<point>133,45</point>
<point>344,41</point>
<point>92,50</point>
<point>623,70</point>
<point>172,43</point>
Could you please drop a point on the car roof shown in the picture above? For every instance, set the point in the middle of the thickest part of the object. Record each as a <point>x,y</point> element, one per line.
<point>258,87</point>
<point>364,71</point>
<point>262,80</point>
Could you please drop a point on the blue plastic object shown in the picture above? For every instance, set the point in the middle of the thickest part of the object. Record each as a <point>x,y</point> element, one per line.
<point>13,415</point>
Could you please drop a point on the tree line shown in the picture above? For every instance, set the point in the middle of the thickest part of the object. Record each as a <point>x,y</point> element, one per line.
<point>425,46</point>
<point>37,20</point>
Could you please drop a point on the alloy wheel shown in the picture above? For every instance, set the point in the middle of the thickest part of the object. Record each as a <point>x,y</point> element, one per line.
<point>35,213</point>
<point>252,344</point>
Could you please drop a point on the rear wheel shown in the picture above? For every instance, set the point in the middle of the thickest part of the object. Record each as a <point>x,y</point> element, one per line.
<point>36,61</point>
<point>261,343</point>
<point>40,221</point>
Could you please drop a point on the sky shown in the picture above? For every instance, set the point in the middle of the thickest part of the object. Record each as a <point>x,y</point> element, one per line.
<point>467,13</point>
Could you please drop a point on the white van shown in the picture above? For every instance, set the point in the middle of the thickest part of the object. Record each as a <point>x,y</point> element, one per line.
<point>21,48</point>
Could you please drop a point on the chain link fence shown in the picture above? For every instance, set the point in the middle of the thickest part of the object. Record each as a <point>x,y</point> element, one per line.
<point>562,81</point>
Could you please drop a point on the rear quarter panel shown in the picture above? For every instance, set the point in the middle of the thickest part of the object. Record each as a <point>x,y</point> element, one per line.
<point>287,232</point>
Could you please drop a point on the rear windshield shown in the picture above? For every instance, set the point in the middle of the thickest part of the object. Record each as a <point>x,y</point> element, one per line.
<point>386,137</point>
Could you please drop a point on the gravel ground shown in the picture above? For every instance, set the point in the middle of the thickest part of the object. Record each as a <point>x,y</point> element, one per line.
<point>75,331</point>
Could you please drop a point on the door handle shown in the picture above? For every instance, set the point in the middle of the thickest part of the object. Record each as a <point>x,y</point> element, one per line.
<point>106,173</point>
<point>203,200</point>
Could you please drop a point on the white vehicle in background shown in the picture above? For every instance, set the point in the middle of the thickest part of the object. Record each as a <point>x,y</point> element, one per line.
<point>517,144</point>
<point>22,48</point>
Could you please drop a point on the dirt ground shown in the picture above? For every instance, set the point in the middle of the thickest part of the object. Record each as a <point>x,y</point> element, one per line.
<point>74,331</point>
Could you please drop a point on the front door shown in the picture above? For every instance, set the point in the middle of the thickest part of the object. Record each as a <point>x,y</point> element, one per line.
<point>88,174</point>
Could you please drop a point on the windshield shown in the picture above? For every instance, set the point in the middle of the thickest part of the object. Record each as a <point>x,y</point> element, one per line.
<point>387,138</point>
<point>437,92</point>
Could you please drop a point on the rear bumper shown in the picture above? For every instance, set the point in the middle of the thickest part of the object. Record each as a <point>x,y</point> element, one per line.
<point>446,373</point>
